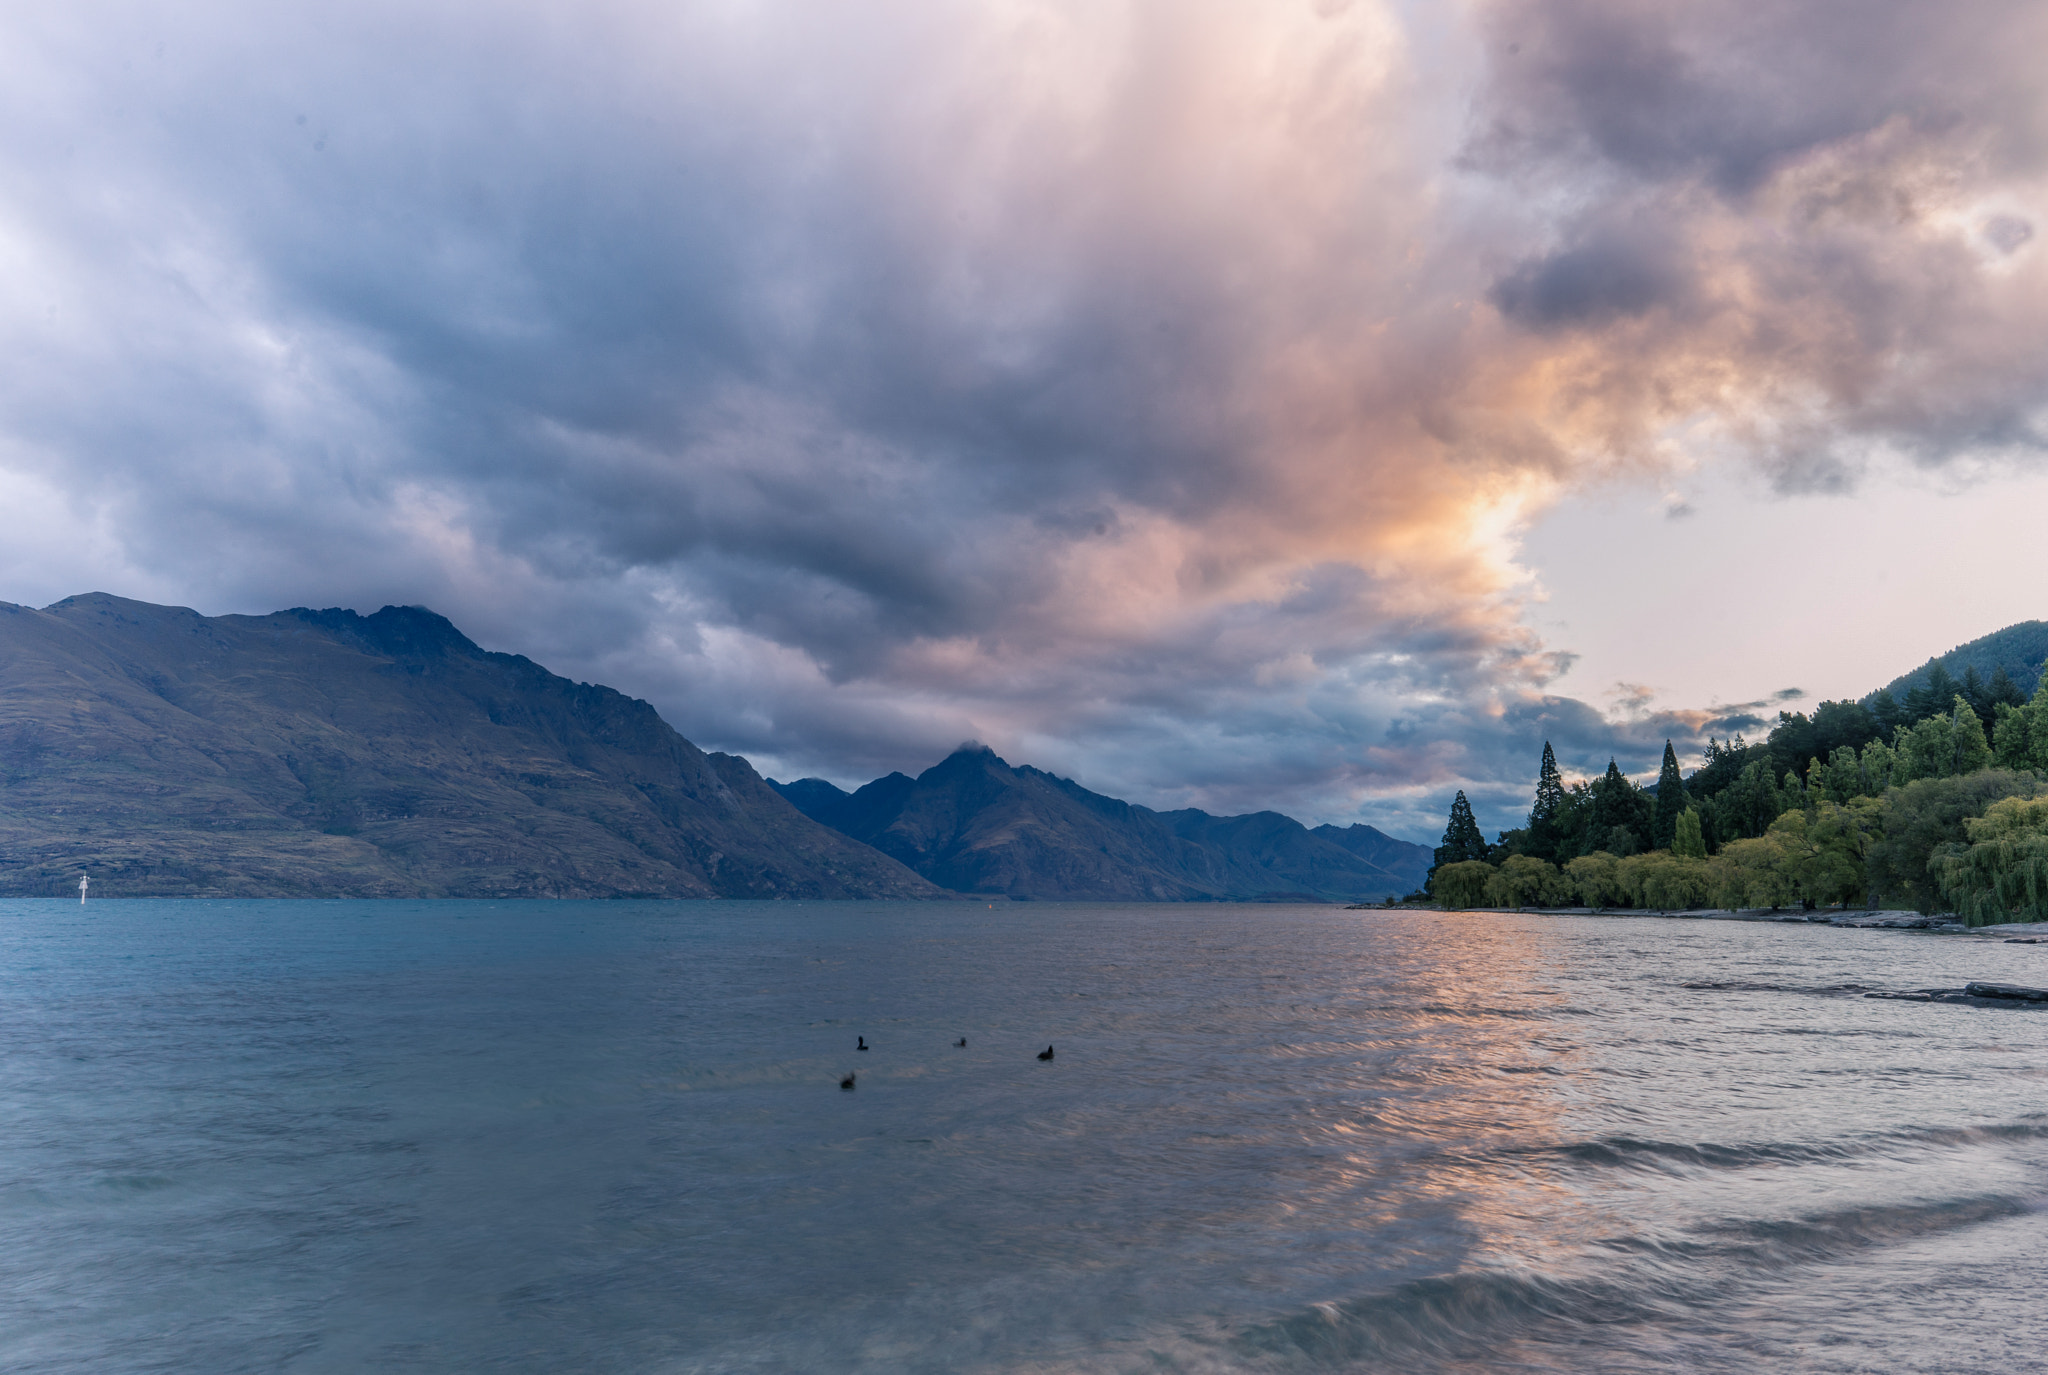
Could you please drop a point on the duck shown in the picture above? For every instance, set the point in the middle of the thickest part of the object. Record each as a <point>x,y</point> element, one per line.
<point>1045,1054</point>
<point>847,1082</point>
<point>863,1043</point>
<point>961,1042</point>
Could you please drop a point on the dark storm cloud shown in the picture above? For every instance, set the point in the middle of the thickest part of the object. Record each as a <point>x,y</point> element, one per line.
<point>1151,391</point>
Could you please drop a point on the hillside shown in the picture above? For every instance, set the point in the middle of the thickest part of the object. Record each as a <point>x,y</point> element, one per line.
<point>975,824</point>
<point>322,753</point>
<point>2018,649</point>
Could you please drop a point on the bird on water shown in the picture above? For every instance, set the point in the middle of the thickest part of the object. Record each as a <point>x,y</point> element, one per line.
<point>961,1042</point>
<point>847,1082</point>
<point>1045,1054</point>
<point>863,1043</point>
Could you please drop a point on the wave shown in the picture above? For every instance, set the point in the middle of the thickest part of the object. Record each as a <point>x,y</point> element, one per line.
<point>1637,1154</point>
<point>1470,1316</point>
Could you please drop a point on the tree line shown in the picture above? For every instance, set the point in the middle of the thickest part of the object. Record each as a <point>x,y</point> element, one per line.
<point>1938,801</point>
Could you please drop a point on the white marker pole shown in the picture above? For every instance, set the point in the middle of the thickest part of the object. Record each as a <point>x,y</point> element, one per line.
<point>82,881</point>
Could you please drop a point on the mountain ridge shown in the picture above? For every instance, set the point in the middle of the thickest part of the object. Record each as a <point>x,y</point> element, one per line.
<point>324,753</point>
<point>977,824</point>
<point>2020,649</point>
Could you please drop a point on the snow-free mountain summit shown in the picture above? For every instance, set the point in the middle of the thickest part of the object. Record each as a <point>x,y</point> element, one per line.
<point>325,753</point>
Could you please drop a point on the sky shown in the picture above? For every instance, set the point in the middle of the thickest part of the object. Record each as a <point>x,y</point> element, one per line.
<point>1311,405</point>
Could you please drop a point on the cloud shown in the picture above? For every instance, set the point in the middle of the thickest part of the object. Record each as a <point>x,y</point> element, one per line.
<point>1155,392</point>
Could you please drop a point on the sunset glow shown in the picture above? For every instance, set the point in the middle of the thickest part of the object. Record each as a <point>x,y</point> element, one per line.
<point>1303,406</point>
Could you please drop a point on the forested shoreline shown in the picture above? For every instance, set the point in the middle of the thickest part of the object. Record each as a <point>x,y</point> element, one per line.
<point>1913,802</point>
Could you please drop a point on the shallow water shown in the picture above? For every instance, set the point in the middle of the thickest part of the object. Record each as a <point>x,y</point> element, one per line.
<point>609,1137</point>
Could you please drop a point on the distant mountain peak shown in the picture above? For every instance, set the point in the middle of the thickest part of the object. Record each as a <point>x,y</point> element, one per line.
<point>975,824</point>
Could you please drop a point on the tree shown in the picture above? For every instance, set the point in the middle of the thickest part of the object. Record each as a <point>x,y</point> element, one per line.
<point>1671,802</point>
<point>1748,806</point>
<point>1924,815</point>
<point>1823,850</point>
<point>2034,725</point>
<point>1688,840</point>
<point>1462,883</point>
<point>1840,778</point>
<point>1973,751</point>
<point>1596,879</point>
<point>2001,874</point>
<point>1546,815</point>
<point>1932,695</point>
<point>1751,873</point>
<point>1927,749</point>
<point>1663,881</point>
<point>2003,689</point>
<point>1462,840</point>
<point>2011,742</point>
<point>1620,820</point>
<point>1526,881</point>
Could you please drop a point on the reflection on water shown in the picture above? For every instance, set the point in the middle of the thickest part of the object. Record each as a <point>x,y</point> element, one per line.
<point>609,1137</point>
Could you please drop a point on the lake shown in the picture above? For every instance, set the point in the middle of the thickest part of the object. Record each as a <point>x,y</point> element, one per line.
<point>611,1137</point>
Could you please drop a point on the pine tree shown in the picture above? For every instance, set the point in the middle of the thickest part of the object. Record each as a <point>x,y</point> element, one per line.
<point>1621,814</point>
<point>1544,816</point>
<point>2002,688</point>
<point>1972,692</point>
<point>1671,802</point>
<point>1462,838</point>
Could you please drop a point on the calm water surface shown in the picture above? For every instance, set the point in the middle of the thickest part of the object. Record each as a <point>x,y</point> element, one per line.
<point>609,1137</point>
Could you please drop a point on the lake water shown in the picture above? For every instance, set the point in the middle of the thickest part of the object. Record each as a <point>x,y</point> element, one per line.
<point>610,1137</point>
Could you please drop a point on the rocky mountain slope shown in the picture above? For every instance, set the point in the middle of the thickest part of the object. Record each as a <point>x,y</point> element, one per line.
<point>975,824</point>
<point>322,753</point>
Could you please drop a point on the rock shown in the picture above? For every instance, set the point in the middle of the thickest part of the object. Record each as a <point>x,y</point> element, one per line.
<point>2014,991</point>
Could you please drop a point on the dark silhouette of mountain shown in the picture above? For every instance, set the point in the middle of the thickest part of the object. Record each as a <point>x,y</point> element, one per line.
<point>322,753</point>
<point>974,824</point>
<point>2018,649</point>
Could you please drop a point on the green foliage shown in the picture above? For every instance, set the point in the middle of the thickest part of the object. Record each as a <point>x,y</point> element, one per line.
<point>1526,881</point>
<point>2020,737</point>
<point>1462,840</point>
<point>1620,816</point>
<point>1663,881</point>
<point>1724,764</point>
<point>2001,875</point>
<point>2017,651</point>
<point>1548,815</point>
<point>2010,737</point>
<point>1823,847</point>
<point>1748,806</point>
<point>1973,751</point>
<point>1462,883</point>
<point>1924,815</point>
<point>1688,839</point>
<point>1750,873</point>
<point>1671,801</point>
<point>1596,879</point>
<point>1943,746</point>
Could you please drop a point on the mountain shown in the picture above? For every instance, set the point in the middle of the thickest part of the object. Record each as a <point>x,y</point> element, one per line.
<point>322,753</point>
<point>975,824</point>
<point>2018,649</point>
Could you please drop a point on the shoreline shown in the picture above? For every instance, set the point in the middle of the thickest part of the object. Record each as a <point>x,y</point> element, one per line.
<point>1889,919</point>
